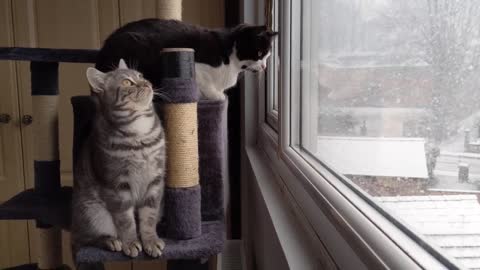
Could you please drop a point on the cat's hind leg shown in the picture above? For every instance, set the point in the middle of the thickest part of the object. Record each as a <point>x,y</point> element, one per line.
<point>102,223</point>
<point>94,226</point>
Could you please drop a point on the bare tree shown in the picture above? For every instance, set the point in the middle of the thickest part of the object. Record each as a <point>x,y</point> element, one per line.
<point>446,35</point>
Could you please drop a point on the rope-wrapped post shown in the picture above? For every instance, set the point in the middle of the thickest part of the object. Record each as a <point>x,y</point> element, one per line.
<point>44,79</point>
<point>169,9</point>
<point>182,194</point>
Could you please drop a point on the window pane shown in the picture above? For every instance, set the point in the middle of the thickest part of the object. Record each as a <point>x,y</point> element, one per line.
<point>390,98</point>
<point>272,72</point>
<point>275,55</point>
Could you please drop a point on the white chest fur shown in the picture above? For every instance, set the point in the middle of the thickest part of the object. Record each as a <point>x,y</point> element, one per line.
<point>142,125</point>
<point>212,81</point>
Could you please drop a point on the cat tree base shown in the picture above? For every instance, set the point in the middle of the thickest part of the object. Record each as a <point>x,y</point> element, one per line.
<point>208,244</point>
<point>30,204</point>
<point>34,266</point>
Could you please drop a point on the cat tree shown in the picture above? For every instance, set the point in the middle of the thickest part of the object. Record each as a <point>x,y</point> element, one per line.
<point>194,218</point>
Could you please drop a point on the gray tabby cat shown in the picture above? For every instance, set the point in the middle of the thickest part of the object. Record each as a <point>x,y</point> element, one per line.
<point>120,172</point>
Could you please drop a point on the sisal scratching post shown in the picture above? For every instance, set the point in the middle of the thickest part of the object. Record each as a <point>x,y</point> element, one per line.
<point>44,78</point>
<point>183,195</point>
<point>169,9</point>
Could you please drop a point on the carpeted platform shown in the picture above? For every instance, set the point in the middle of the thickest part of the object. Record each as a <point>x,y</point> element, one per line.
<point>53,209</point>
<point>32,266</point>
<point>209,243</point>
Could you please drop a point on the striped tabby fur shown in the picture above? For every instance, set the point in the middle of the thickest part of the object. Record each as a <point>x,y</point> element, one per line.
<point>120,172</point>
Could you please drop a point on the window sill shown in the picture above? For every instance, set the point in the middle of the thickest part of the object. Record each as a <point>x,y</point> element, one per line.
<point>295,241</point>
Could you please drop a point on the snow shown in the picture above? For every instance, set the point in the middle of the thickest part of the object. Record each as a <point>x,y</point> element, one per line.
<point>369,60</point>
<point>392,157</point>
<point>376,111</point>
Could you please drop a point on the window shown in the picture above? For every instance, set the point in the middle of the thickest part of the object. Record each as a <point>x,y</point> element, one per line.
<point>272,10</point>
<point>389,101</point>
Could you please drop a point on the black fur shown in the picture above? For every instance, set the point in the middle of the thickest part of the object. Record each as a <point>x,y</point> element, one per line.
<point>140,43</point>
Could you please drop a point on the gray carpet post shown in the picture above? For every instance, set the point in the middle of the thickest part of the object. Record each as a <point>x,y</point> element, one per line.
<point>182,194</point>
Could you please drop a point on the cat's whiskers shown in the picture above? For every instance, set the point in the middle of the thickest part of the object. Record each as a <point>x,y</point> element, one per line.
<point>162,95</point>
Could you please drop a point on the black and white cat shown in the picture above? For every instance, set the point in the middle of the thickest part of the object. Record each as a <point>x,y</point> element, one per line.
<point>220,54</point>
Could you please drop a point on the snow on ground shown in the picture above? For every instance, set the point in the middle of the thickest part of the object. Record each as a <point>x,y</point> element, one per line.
<point>455,143</point>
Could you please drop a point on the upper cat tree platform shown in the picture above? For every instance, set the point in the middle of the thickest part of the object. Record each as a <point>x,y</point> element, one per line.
<point>48,55</point>
<point>49,203</point>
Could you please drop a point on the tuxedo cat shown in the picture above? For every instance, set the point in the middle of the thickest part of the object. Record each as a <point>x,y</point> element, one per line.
<point>220,54</point>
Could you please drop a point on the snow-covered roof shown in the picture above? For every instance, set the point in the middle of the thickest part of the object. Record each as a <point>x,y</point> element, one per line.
<point>451,222</point>
<point>372,156</point>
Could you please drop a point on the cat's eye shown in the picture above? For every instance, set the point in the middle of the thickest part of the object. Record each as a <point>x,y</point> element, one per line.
<point>127,82</point>
<point>259,54</point>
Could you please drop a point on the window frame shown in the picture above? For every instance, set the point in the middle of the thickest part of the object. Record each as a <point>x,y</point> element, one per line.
<point>271,79</point>
<point>321,196</point>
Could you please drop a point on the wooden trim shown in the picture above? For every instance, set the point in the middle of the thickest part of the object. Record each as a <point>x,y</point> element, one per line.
<point>213,263</point>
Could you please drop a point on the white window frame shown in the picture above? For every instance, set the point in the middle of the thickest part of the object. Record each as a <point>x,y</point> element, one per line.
<point>271,113</point>
<point>339,218</point>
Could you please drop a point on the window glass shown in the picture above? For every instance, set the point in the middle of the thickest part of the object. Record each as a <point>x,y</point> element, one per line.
<point>390,98</point>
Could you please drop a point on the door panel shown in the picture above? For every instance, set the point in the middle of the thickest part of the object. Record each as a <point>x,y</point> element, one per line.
<point>136,10</point>
<point>209,13</point>
<point>59,24</point>
<point>11,170</point>
<point>14,234</point>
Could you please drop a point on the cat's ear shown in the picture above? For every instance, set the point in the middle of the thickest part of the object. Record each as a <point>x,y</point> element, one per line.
<point>272,34</point>
<point>268,34</point>
<point>96,79</point>
<point>122,64</point>
<point>262,28</point>
<point>241,28</point>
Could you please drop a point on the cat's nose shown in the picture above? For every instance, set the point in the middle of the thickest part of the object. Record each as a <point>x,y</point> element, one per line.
<point>145,84</point>
<point>264,66</point>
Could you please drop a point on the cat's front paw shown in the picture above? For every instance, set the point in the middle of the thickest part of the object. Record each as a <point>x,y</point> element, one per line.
<point>154,246</point>
<point>132,248</point>
<point>114,244</point>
